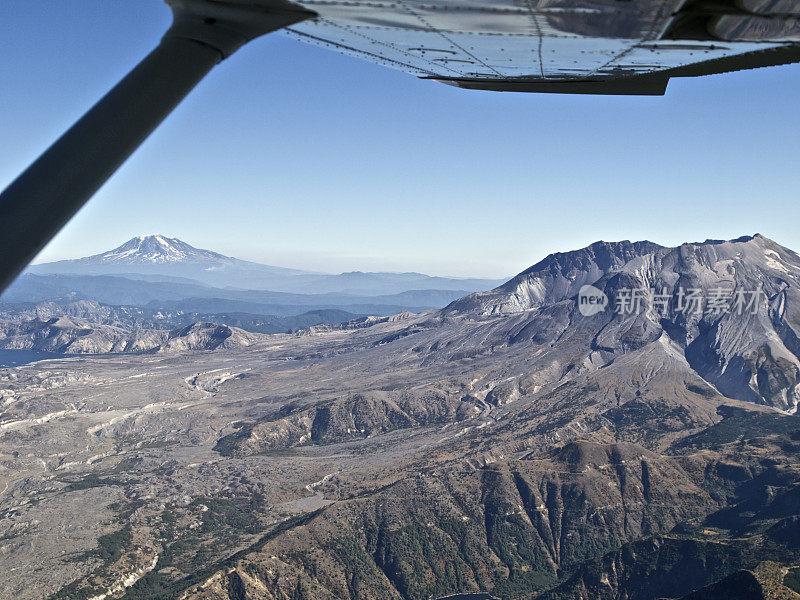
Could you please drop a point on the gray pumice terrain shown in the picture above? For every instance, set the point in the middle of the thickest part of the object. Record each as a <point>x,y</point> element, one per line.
<point>505,443</point>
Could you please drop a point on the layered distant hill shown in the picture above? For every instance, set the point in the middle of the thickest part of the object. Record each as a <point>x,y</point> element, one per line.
<point>166,281</point>
<point>169,258</point>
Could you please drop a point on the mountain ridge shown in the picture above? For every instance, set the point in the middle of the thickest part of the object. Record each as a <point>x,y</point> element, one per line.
<point>159,255</point>
<point>536,453</point>
<point>752,356</point>
<point>560,275</point>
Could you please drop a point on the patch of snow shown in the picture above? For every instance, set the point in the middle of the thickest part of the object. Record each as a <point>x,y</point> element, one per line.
<point>771,257</point>
<point>156,249</point>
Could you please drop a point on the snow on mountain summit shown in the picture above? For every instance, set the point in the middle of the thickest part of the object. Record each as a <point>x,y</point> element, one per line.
<point>162,256</point>
<point>156,249</point>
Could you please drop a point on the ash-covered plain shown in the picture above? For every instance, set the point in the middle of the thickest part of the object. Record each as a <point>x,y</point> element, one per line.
<point>506,444</point>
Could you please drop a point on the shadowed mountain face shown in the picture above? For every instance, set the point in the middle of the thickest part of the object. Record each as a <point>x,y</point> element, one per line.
<point>729,308</point>
<point>557,277</point>
<point>511,443</point>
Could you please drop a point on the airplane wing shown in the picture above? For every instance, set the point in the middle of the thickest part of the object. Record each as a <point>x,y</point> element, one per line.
<point>567,46</point>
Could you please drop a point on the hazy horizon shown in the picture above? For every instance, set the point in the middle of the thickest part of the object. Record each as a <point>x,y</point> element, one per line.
<point>299,264</point>
<point>296,156</point>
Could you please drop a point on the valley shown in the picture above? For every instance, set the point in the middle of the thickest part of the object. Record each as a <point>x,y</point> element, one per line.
<point>505,444</point>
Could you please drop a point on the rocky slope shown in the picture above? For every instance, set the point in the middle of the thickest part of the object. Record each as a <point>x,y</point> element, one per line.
<point>587,452</point>
<point>747,351</point>
<point>73,335</point>
<point>355,417</point>
<point>558,277</point>
<point>508,444</point>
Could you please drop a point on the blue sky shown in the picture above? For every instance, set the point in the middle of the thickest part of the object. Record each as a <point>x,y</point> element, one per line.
<point>297,156</point>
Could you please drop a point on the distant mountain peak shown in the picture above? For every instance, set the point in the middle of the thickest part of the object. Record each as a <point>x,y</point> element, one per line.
<point>161,256</point>
<point>155,249</point>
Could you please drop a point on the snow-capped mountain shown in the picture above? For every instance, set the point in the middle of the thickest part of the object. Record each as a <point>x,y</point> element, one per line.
<point>160,254</point>
<point>155,249</point>
<point>161,258</point>
<point>167,258</point>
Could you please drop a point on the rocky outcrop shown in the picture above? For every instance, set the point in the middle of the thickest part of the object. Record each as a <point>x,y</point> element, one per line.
<point>742,335</point>
<point>208,336</point>
<point>558,277</point>
<point>73,335</point>
<point>354,417</point>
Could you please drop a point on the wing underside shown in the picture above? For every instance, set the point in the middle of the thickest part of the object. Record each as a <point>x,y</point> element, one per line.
<point>571,46</point>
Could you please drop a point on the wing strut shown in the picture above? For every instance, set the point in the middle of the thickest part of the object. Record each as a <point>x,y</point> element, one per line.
<point>41,200</point>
